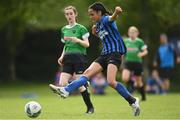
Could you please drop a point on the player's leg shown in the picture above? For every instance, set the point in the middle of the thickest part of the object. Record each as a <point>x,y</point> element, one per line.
<point>79,68</point>
<point>165,74</point>
<point>120,88</point>
<point>111,78</point>
<point>126,75</point>
<point>167,77</point>
<point>86,97</point>
<point>166,84</point>
<point>65,76</point>
<point>93,69</point>
<point>140,86</point>
<point>64,79</point>
<point>138,71</point>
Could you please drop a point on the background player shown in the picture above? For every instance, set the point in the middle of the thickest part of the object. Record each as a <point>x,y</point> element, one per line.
<point>136,49</point>
<point>165,60</point>
<point>73,58</point>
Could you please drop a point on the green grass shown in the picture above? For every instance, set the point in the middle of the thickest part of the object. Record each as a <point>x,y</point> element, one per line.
<point>110,106</point>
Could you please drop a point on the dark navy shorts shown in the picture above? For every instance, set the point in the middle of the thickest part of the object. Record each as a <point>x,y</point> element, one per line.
<point>112,58</point>
<point>74,63</point>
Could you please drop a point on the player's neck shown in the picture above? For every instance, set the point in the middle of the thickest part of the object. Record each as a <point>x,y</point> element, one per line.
<point>72,23</point>
<point>133,39</point>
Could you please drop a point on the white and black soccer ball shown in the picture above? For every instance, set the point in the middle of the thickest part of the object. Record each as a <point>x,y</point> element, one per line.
<point>32,109</point>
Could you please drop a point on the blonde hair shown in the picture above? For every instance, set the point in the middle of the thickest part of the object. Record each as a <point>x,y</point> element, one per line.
<point>133,28</point>
<point>71,7</point>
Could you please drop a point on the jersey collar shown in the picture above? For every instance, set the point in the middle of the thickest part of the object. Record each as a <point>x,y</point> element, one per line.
<point>68,26</point>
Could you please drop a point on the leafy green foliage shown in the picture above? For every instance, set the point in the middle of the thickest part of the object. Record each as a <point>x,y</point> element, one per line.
<point>150,16</point>
<point>167,11</point>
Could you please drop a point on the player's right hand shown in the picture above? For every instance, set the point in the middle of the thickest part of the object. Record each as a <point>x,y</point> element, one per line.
<point>60,61</point>
<point>94,29</point>
<point>118,9</point>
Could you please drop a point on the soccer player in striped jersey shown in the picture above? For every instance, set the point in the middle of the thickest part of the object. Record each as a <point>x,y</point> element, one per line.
<point>136,50</point>
<point>110,58</point>
<point>73,58</point>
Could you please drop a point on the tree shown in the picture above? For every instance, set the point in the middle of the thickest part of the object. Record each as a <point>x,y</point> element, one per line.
<point>150,16</point>
<point>13,24</point>
<point>21,15</point>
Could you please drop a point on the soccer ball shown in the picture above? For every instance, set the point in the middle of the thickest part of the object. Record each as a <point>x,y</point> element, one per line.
<point>32,109</point>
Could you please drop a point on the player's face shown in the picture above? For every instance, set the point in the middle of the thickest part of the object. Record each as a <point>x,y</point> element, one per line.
<point>132,34</point>
<point>70,15</point>
<point>94,15</point>
<point>163,39</point>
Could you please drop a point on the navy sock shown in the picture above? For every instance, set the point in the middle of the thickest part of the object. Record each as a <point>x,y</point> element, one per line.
<point>86,97</point>
<point>124,93</point>
<point>142,92</point>
<point>76,84</point>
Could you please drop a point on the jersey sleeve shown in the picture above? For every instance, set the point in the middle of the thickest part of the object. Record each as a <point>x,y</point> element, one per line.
<point>143,46</point>
<point>84,33</point>
<point>105,20</point>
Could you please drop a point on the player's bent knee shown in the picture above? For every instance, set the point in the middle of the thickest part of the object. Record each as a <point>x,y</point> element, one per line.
<point>112,83</point>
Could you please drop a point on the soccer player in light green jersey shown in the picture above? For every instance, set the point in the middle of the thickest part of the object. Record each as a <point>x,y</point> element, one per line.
<point>136,50</point>
<point>73,58</point>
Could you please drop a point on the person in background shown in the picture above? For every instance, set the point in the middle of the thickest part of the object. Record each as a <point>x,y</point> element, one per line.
<point>99,84</point>
<point>73,59</point>
<point>154,83</point>
<point>136,50</point>
<point>165,60</point>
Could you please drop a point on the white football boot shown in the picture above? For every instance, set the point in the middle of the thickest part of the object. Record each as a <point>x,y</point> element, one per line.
<point>59,90</point>
<point>136,108</point>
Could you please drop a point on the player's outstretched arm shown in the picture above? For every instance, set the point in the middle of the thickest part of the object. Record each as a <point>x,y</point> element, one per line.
<point>117,11</point>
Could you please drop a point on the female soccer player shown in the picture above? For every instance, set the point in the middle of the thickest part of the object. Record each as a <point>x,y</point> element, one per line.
<point>136,49</point>
<point>73,58</point>
<point>110,58</point>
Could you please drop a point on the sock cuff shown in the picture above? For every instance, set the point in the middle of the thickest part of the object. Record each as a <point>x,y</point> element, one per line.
<point>84,77</point>
<point>85,91</point>
<point>118,85</point>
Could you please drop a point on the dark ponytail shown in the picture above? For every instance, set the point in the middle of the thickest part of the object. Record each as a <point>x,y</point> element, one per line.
<point>97,6</point>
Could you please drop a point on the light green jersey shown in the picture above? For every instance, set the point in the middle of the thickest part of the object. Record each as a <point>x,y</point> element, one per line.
<point>78,31</point>
<point>133,48</point>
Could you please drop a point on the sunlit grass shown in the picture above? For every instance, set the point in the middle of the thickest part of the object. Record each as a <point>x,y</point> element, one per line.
<point>109,106</point>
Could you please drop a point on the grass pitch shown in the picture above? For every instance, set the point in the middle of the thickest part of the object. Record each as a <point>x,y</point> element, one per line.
<point>110,106</point>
